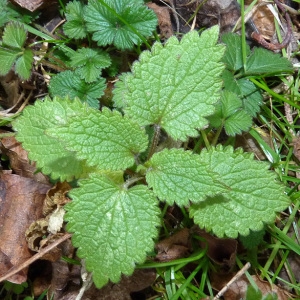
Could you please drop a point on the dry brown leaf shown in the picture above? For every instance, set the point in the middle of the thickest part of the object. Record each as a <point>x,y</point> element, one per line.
<point>173,247</point>
<point>35,232</point>
<point>33,5</point>
<point>63,276</point>
<point>56,197</point>
<point>66,285</point>
<point>11,85</point>
<point>263,20</point>
<point>221,251</point>
<point>296,145</point>
<point>239,288</point>
<point>19,161</point>
<point>138,281</point>
<point>164,19</point>
<point>20,204</point>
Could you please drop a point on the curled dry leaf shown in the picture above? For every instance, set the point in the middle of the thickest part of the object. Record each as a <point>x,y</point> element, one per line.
<point>35,233</point>
<point>56,197</point>
<point>53,222</point>
<point>20,204</point>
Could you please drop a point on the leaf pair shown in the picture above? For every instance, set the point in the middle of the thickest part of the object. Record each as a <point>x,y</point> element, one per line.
<point>13,53</point>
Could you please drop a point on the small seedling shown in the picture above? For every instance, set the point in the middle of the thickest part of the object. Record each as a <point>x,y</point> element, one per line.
<point>114,213</point>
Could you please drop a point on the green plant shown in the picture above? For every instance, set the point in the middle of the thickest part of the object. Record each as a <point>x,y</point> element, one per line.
<point>241,100</point>
<point>114,214</point>
<point>256,294</point>
<point>123,24</point>
<point>9,290</point>
<point>13,52</point>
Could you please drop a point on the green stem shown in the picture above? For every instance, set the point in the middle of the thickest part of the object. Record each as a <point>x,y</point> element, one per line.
<point>215,140</point>
<point>205,139</point>
<point>244,52</point>
<point>272,93</point>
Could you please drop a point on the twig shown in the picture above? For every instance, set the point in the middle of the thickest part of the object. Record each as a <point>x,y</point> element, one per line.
<point>175,14</point>
<point>239,274</point>
<point>35,257</point>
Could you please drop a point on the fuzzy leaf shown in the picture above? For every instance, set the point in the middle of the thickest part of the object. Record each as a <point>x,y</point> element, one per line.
<point>265,62</point>
<point>90,62</point>
<point>176,85</point>
<point>7,59</point>
<point>253,197</point>
<point>105,139</point>
<point>70,84</point>
<point>113,226</point>
<point>14,35</point>
<point>23,64</point>
<point>180,176</point>
<point>119,22</point>
<point>49,153</point>
<point>230,114</point>
<point>246,90</point>
<point>75,27</point>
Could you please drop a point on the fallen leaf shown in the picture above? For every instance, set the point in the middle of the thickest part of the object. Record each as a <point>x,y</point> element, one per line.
<point>174,247</point>
<point>264,20</point>
<point>296,145</point>
<point>238,289</point>
<point>56,197</point>
<point>35,232</point>
<point>164,19</point>
<point>20,204</point>
<point>11,85</point>
<point>33,5</point>
<point>221,251</point>
<point>19,161</point>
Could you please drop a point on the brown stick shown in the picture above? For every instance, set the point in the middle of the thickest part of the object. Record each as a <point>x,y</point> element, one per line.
<point>237,276</point>
<point>35,257</point>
